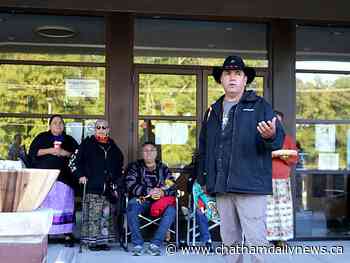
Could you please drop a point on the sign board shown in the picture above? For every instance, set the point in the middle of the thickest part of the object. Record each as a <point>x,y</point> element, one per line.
<point>167,133</point>
<point>325,137</point>
<point>84,88</point>
<point>328,161</point>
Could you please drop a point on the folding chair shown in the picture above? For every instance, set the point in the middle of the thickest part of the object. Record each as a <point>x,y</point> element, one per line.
<point>192,226</point>
<point>150,221</point>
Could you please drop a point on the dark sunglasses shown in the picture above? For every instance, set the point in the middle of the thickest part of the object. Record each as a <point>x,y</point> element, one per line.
<point>101,127</point>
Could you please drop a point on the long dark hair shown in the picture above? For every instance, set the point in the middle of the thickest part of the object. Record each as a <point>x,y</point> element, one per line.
<point>54,116</point>
<point>59,116</point>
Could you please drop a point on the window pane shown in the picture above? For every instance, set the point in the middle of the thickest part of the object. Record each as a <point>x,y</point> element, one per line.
<point>165,94</point>
<point>323,146</point>
<point>323,96</point>
<point>52,89</point>
<point>216,90</point>
<point>322,205</point>
<point>176,140</point>
<point>29,128</point>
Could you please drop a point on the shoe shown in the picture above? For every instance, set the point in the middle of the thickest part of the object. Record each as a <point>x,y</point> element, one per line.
<point>104,247</point>
<point>279,243</point>
<point>209,245</point>
<point>94,247</point>
<point>137,251</point>
<point>182,244</point>
<point>153,250</point>
<point>282,243</point>
<point>69,241</point>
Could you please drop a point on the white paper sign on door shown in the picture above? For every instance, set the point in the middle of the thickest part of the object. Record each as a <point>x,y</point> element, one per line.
<point>325,137</point>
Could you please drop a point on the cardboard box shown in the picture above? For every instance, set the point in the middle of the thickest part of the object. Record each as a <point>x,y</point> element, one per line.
<point>23,236</point>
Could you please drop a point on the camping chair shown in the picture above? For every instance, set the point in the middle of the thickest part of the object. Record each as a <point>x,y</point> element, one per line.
<point>147,221</point>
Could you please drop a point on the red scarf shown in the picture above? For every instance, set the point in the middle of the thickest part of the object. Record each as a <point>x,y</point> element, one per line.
<point>102,139</point>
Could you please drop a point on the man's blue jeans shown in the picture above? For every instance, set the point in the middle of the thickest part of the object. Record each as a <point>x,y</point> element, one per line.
<point>134,209</point>
<point>203,224</point>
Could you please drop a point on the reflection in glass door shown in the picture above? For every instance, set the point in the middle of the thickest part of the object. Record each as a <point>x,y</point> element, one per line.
<point>169,107</point>
<point>166,113</point>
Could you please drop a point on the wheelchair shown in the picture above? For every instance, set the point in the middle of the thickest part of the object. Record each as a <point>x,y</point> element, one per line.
<point>192,226</point>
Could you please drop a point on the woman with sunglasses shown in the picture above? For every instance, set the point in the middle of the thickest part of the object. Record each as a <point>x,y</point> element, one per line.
<point>51,150</point>
<point>99,165</point>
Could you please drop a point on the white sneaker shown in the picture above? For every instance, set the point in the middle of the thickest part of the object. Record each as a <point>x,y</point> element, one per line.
<point>154,250</point>
<point>137,251</point>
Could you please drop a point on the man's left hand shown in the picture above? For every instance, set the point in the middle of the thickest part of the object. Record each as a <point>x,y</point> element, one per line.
<point>267,129</point>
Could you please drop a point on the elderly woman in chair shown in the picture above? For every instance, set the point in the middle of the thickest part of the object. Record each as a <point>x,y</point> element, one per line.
<point>147,181</point>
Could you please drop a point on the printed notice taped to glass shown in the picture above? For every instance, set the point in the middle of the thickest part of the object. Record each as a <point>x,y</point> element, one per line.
<point>84,88</point>
<point>325,137</point>
<point>75,129</point>
<point>328,161</point>
<point>171,133</point>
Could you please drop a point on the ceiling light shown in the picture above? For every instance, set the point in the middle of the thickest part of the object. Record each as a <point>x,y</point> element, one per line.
<point>55,31</point>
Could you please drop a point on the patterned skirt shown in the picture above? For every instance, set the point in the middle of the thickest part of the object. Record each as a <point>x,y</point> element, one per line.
<point>61,200</point>
<point>279,217</point>
<point>97,220</point>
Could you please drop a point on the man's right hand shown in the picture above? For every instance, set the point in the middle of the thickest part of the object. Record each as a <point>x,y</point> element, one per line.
<point>156,193</point>
<point>82,180</point>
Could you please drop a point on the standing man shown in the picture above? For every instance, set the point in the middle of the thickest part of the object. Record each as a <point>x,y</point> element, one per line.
<point>238,133</point>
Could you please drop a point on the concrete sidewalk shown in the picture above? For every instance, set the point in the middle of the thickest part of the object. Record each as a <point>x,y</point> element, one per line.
<point>60,254</point>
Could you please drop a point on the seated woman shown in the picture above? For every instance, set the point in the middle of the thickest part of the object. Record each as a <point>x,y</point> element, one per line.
<point>51,150</point>
<point>99,164</point>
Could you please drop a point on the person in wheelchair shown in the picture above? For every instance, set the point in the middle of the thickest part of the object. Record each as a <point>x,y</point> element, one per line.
<point>206,211</point>
<point>205,206</point>
<point>149,182</point>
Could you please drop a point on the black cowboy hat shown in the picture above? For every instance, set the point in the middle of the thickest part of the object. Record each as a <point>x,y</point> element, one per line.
<point>234,63</point>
